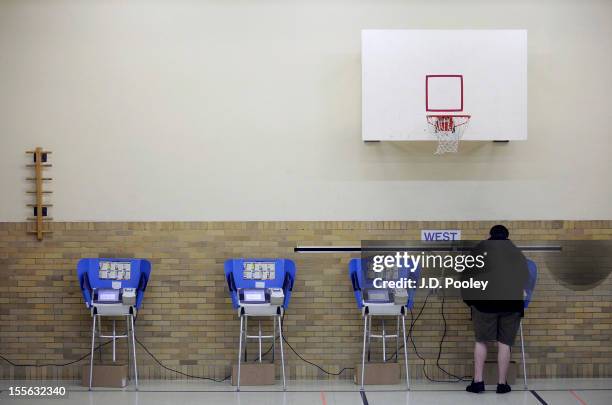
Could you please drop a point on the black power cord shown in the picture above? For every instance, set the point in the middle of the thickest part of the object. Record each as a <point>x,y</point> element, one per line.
<point>411,337</point>
<point>313,364</point>
<point>12,363</point>
<point>53,364</point>
<point>413,321</point>
<point>191,375</point>
<point>173,370</point>
<point>177,371</point>
<point>458,378</point>
<point>308,361</point>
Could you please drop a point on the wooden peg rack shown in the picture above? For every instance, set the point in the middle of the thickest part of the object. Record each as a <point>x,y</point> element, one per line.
<point>40,207</point>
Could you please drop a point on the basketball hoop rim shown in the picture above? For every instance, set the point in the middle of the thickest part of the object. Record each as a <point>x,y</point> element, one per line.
<point>438,116</point>
<point>449,115</point>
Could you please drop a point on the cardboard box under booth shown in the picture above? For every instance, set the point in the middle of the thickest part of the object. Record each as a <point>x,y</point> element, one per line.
<point>111,375</point>
<point>378,374</point>
<point>254,374</point>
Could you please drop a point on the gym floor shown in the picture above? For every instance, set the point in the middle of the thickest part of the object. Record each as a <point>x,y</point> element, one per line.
<point>582,391</point>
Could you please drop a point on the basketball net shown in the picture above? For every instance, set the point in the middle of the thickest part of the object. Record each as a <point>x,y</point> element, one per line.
<point>448,130</point>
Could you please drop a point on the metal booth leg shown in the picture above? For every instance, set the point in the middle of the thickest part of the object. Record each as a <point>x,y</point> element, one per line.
<point>369,337</point>
<point>114,341</point>
<point>273,339</point>
<point>134,350</point>
<point>99,333</point>
<point>406,352</point>
<point>384,341</point>
<point>246,340</point>
<point>397,335</point>
<point>93,344</point>
<point>259,338</point>
<point>239,353</point>
<point>523,353</point>
<point>280,338</point>
<point>127,339</point>
<point>363,353</point>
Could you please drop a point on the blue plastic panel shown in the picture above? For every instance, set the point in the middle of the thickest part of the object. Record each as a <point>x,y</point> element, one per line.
<point>531,282</point>
<point>88,271</point>
<point>284,277</point>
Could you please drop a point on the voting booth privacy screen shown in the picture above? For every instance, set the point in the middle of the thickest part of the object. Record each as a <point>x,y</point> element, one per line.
<point>258,280</point>
<point>109,280</point>
<point>387,286</point>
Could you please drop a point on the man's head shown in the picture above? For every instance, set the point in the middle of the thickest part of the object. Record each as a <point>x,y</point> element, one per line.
<point>499,232</point>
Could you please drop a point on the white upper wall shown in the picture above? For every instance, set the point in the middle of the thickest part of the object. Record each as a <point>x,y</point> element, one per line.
<point>244,110</point>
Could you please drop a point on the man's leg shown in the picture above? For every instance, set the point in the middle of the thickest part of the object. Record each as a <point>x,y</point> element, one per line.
<point>480,355</point>
<point>503,361</point>
<point>485,329</point>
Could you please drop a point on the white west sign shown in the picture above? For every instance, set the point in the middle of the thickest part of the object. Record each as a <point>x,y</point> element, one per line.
<point>440,234</point>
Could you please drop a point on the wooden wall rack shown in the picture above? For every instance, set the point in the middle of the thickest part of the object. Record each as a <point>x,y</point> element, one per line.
<point>40,207</point>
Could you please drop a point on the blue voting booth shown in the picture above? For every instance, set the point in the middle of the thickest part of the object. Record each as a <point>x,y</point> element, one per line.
<point>260,288</point>
<point>374,300</point>
<point>113,288</point>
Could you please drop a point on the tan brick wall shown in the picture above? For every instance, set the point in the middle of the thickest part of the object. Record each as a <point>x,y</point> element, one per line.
<point>188,323</point>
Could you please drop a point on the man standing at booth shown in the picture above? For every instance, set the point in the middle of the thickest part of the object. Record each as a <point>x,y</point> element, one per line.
<point>496,312</point>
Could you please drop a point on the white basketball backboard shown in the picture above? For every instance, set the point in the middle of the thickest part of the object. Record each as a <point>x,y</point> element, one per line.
<point>408,74</point>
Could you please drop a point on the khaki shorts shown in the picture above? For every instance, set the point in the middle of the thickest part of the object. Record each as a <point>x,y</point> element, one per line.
<point>496,326</point>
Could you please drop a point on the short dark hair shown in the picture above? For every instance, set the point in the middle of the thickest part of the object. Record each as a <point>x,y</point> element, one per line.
<point>499,232</point>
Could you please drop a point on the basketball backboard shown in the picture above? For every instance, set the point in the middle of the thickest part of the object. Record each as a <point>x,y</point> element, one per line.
<point>408,74</point>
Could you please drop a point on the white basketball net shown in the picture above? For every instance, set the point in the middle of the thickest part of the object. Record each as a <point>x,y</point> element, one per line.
<point>448,129</point>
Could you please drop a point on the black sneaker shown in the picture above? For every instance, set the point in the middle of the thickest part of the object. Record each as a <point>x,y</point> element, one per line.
<point>503,388</point>
<point>476,387</point>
